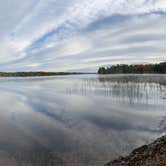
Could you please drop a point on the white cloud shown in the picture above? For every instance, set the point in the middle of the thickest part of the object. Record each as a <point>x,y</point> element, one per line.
<point>46,34</point>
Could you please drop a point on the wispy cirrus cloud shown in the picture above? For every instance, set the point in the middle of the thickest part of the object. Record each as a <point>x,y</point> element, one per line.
<point>81,35</point>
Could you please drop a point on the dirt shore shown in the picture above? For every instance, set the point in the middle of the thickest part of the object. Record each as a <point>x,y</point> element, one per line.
<point>153,154</point>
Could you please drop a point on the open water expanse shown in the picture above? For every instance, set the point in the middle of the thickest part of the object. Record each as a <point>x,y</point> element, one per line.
<point>79,120</point>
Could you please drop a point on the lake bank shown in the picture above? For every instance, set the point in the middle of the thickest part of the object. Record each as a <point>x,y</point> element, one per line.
<point>37,73</point>
<point>137,68</point>
<point>147,155</point>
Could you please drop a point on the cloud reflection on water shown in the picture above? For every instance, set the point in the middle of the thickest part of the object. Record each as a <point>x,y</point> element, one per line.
<point>86,119</point>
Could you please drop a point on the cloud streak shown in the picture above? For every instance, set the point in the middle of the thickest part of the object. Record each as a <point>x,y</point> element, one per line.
<point>69,35</point>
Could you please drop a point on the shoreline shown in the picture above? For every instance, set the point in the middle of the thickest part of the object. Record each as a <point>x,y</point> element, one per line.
<point>45,73</point>
<point>38,73</point>
<point>153,154</point>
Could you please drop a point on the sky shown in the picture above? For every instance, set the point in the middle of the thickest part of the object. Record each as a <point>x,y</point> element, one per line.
<point>80,35</point>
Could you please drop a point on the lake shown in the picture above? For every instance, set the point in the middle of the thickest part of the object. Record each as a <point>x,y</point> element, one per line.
<point>79,120</point>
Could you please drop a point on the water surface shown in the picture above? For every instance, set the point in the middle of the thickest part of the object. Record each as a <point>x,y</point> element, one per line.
<point>79,120</point>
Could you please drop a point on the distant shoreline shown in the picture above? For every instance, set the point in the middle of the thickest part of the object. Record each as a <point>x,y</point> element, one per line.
<point>42,74</point>
<point>137,69</point>
<point>37,74</point>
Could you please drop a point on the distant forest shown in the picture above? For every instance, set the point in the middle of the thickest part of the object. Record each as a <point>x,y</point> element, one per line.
<point>138,69</point>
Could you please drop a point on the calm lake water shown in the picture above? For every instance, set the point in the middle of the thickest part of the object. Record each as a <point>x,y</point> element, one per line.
<point>80,120</point>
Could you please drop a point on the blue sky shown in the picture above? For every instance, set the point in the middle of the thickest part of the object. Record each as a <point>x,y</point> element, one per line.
<point>75,35</point>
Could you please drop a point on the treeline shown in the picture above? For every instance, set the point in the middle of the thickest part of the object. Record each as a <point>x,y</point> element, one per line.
<point>138,69</point>
<point>34,74</point>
